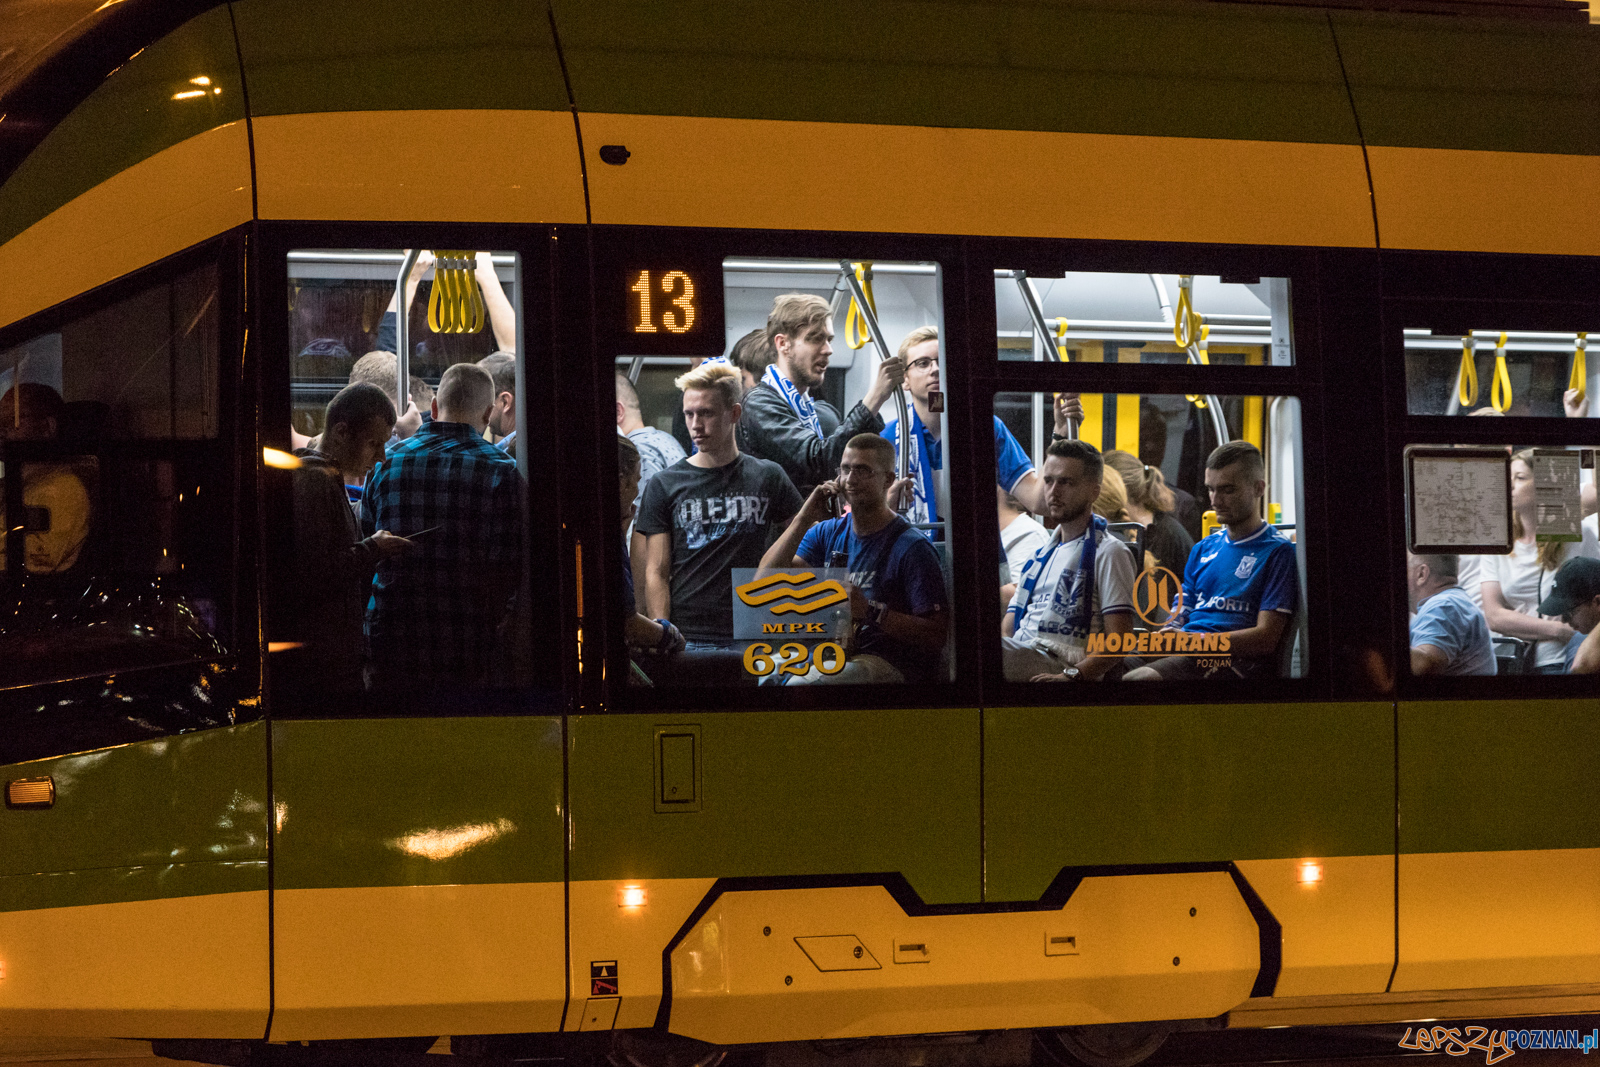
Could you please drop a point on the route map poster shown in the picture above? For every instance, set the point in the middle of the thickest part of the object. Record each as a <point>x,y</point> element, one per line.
<point>1458,500</point>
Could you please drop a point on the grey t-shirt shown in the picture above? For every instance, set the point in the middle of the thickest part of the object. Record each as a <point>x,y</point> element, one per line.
<point>658,450</point>
<point>719,518</point>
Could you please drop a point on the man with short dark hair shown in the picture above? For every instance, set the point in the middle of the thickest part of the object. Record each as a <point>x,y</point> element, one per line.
<point>1079,583</point>
<point>1448,633</point>
<point>1241,583</point>
<point>752,354</point>
<point>898,606</point>
<point>1575,599</point>
<point>502,368</point>
<point>658,449</point>
<point>436,612</point>
<point>333,564</point>
<point>783,422</point>
<point>708,514</point>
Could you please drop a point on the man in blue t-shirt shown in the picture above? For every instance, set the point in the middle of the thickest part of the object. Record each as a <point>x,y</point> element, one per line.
<point>897,599</point>
<point>1575,600</point>
<point>1241,583</point>
<point>1014,472</point>
<point>1449,634</point>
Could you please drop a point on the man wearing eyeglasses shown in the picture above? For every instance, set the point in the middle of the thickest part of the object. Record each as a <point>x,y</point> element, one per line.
<point>1015,474</point>
<point>897,599</point>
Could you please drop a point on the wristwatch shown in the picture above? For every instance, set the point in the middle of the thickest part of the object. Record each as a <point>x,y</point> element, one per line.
<point>1072,674</point>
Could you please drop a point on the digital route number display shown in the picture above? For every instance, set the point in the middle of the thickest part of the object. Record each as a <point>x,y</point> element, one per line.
<point>673,310</point>
<point>668,303</point>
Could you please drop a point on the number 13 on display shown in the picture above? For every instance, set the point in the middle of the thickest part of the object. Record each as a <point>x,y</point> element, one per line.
<point>794,658</point>
<point>679,315</point>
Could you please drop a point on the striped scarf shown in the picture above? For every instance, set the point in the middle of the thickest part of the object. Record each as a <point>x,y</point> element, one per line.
<point>798,402</point>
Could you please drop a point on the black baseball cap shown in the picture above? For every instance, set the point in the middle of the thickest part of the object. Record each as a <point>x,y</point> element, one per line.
<point>1578,580</point>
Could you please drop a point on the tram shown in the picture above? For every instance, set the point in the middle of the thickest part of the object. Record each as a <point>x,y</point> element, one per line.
<point>1331,232</point>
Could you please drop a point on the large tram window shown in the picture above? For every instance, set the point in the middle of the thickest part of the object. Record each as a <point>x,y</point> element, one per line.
<point>775,531</point>
<point>120,514</point>
<point>406,569</point>
<point>1198,565</point>
<point>1478,609</point>
<point>1499,372</point>
<point>1100,317</point>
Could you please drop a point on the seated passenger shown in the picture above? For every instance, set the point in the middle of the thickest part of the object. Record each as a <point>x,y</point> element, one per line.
<point>705,515</point>
<point>784,423</point>
<point>1448,633</point>
<point>1079,583</point>
<point>897,599</point>
<point>53,495</point>
<point>1241,583</point>
<point>333,563</point>
<point>1015,474</point>
<point>1151,503</point>
<point>1574,598</point>
<point>1112,503</point>
<point>638,632</point>
<point>1020,537</point>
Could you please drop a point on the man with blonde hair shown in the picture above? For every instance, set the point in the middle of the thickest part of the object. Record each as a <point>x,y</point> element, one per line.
<point>436,612</point>
<point>707,514</point>
<point>784,422</point>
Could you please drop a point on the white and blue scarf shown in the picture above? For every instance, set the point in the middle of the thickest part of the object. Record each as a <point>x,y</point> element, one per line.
<point>798,402</point>
<point>1071,615</point>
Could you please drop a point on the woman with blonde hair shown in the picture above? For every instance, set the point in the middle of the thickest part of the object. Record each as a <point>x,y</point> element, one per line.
<point>1514,584</point>
<point>1112,503</point>
<point>1150,503</point>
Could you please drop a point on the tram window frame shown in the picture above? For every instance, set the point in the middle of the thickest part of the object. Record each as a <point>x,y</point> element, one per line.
<point>231,677</point>
<point>1430,304</point>
<point>550,629</point>
<point>1301,379</point>
<point>606,660</point>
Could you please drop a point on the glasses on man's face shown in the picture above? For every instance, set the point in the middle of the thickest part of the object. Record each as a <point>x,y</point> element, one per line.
<point>924,364</point>
<point>860,470</point>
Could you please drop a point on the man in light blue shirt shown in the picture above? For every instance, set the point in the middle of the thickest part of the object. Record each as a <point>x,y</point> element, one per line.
<point>1448,633</point>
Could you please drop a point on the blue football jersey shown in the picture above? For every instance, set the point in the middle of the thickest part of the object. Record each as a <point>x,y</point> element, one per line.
<point>1226,582</point>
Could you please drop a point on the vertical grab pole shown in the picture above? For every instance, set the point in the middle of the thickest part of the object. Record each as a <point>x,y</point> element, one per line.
<point>903,437</point>
<point>1030,299</point>
<point>402,334</point>
<point>1219,425</point>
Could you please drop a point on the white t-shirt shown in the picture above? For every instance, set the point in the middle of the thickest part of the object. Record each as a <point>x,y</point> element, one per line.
<point>1113,592</point>
<point>1022,537</point>
<point>1467,577</point>
<point>1523,583</point>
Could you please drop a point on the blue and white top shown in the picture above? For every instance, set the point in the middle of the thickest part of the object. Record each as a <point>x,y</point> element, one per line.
<point>1227,583</point>
<point>927,459</point>
<point>1062,597</point>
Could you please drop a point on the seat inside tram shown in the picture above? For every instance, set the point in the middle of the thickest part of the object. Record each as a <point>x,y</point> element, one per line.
<point>839,570</point>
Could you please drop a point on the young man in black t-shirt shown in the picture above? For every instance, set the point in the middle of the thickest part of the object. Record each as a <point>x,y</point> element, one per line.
<point>707,514</point>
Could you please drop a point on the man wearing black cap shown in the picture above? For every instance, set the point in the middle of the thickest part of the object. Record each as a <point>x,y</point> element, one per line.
<point>1448,633</point>
<point>1575,600</point>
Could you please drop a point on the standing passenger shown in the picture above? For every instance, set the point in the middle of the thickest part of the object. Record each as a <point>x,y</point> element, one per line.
<point>1448,633</point>
<point>436,613</point>
<point>502,368</point>
<point>1080,582</point>
<point>785,423</point>
<point>658,449</point>
<point>705,515</point>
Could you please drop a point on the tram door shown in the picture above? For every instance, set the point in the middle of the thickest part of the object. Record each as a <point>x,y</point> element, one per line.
<point>416,739</point>
<point>726,746</point>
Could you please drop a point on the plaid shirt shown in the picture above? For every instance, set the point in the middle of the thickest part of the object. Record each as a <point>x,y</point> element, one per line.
<point>436,611</point>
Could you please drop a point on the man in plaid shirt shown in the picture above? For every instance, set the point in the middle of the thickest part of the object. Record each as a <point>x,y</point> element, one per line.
<point>437,614</point>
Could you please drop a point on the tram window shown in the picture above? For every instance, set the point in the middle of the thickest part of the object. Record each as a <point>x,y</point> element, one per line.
<point>1199,565</point>
<point>1499,372</point>
<point>405,569</point>
<point>1102,317</point>
<point>769,537</point>
<point>127,548</point>
<point>1476,609</point>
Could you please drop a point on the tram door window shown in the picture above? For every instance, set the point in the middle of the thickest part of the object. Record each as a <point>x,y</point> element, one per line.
<point>406,570</point>
<point>1199,568</point>
<point>1528,373</point>
<point>777,530</point>
<point>117,549</point>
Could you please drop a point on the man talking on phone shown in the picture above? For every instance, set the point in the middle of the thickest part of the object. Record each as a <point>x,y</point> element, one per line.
<point>898,606</point>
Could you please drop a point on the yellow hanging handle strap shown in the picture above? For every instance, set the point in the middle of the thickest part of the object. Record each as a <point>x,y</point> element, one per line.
<point>1579,378</point>
<point>1185,323</point>
<point>1061,337</point>
<point>856,332</point>
<point>456,304</point>
<point>1204,355</point>
<point>1467,379</point>
<point>1500,392</point>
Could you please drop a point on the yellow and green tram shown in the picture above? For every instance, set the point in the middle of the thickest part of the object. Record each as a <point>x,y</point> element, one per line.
<point>205,210</point>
